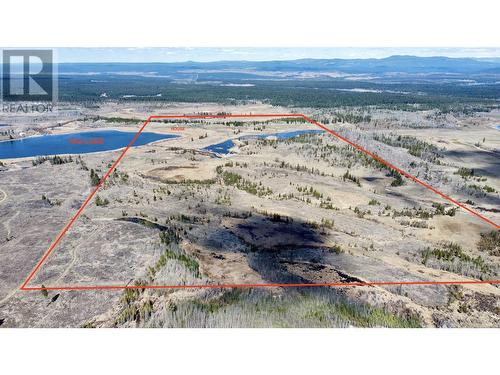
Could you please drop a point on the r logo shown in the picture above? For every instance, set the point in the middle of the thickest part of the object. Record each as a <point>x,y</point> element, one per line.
<point>28,75</point>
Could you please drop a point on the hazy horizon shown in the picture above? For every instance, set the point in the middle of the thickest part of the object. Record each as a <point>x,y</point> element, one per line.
<point>179,55</point>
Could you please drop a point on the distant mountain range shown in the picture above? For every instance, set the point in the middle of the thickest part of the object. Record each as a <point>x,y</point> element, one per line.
<point>398,80</point>
<point>394,64</point>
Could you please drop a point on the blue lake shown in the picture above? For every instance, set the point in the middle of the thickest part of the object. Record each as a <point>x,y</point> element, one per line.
<point>224,147</point>
<point>221,148</point>
<point>59,144</point>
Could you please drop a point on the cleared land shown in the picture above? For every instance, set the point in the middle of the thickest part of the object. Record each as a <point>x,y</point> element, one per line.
<point>309,210</point>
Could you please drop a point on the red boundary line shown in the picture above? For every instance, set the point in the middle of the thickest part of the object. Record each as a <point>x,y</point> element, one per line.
<point>218,286</point>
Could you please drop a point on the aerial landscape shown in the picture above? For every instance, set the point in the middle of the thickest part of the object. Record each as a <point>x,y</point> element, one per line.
<point>318,192</point>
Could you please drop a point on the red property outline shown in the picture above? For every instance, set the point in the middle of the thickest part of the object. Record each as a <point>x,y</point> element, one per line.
<point>24,287</point>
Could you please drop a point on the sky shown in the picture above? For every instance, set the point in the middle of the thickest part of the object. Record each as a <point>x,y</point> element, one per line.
<point>131,55</point>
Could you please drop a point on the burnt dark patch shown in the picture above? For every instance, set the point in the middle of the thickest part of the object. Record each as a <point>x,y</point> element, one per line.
<point>270,235</point>
<point>144,222</point>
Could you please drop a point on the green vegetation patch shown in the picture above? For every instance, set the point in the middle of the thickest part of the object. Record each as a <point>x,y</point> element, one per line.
<point>252,308</point>
<point>450,252</point>
<point>234,179</point>
<point>101,202</point>
<point>348,176</point>
<point>490,243</point>
<point>415,146</point>
<point>188,262</point>
<point>54,160</point>
<point>94,178</point>
<point>465,172</point>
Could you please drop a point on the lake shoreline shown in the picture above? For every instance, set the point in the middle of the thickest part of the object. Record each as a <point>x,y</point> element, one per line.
<point>230,146</point>
<point>94,134</point>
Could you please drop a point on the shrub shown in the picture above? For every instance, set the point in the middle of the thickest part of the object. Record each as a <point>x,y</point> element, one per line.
<point>348,176</point>
<point>489,189</point>
<point>452,252</point>
<point>94,178</point>
<point>234,179</point>
<point>490,242</point>
<point>101,202</point>
<point>465,172</point>
<point>398,179</point>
